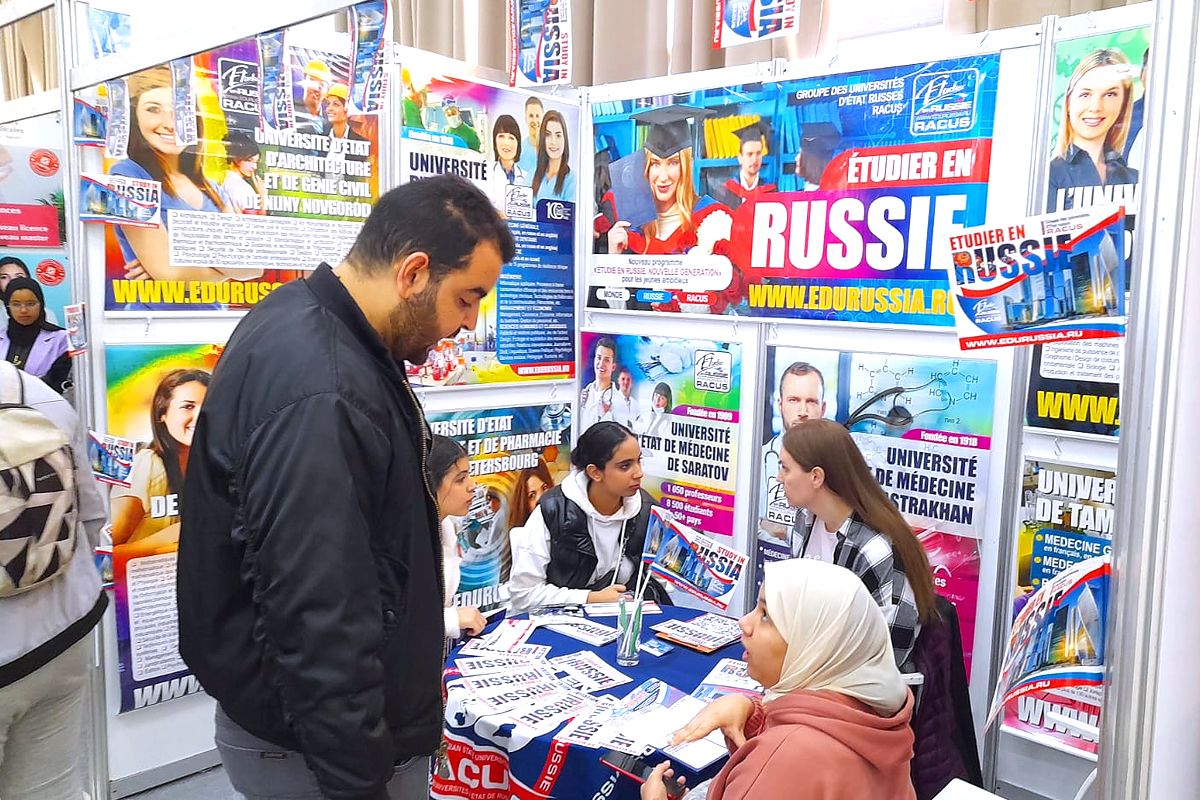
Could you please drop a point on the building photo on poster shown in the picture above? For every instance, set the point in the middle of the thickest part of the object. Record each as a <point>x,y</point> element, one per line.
<point>923,425</point>
<point>234,170</point>
<point>517,148</point>
<point>154,396</point>
<point>814,198</point>
<point>1096,157</point>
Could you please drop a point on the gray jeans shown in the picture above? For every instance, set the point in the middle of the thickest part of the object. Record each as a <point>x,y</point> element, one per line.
<point>41,728</point>
<point>264,771</point>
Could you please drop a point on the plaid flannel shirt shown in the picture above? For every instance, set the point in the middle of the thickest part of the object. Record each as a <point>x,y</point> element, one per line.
<point>868,554</point>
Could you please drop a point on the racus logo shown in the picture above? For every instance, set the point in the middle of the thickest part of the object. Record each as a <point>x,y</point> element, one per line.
<point>944,102</point>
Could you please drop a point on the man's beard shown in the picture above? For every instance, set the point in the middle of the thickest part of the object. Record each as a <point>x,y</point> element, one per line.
<point>412,327</point>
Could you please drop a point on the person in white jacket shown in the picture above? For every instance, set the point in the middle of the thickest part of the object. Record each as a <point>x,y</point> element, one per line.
<point>583,542</point>
<point>450,478</point>
<point>45,652</point>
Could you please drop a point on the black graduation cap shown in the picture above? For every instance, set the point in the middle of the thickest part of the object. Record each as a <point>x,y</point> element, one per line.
<point>670,128</point>
<point>758,130</point>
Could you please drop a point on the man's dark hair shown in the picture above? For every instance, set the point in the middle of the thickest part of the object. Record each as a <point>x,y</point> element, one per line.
<point>800,369</point>
<point>444,216</point>
<point>606,341</point>
<point>533,101</point>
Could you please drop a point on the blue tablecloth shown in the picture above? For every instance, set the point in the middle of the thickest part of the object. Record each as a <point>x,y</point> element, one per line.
<point>501,765</point>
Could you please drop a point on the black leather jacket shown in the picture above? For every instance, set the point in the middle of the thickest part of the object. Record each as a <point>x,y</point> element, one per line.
<point>310,575</point>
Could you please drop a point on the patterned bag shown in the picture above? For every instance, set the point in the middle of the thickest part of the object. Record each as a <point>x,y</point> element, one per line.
<point>37,492</point>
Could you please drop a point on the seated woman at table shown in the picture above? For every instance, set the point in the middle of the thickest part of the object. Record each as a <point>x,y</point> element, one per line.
<point>450,478</point>
<point>583,543</point>
<point>850,521</point>
<point>834,724</point>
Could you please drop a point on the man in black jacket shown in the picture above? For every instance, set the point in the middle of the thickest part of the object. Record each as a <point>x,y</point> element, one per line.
<point>310,576</point>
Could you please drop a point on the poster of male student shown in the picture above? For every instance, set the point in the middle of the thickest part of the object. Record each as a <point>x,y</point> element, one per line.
<point>1096,151</point>
<point>858,177</point>
<point>155,393</point>
<point>924,426</point>
<point>262,171</point>
<point>518,149</point>
<point>680,397</point>
<point>515,455</point>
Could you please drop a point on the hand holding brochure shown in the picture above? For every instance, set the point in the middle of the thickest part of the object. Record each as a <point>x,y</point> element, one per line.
<point>696,563</point>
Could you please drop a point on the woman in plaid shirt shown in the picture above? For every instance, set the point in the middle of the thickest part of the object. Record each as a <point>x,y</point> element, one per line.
<point>851,522</point>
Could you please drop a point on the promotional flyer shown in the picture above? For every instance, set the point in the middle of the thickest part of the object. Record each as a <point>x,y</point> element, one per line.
<point>1097,146</point>
<point>818,198</point>
<point>1053,670</point>
<point>681,398</point>
<point>155,392</point>
<point>257,158</point>
<point>539,42</point>
<point>515,454</point>
<point>1067,516</point>
<point>1053,278</point>
<point>688,560</point>
<point>740,21</point>
<point>923,425</point>
<point>33,212</point>
<point>515,147</point>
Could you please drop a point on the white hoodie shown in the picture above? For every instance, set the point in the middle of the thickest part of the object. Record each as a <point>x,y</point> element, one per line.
<point>531,549</point>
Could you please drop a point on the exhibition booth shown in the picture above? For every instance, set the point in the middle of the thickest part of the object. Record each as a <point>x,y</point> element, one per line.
<point>691,250</point>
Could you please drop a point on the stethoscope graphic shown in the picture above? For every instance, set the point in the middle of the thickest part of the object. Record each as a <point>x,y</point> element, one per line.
<point>899,417</point>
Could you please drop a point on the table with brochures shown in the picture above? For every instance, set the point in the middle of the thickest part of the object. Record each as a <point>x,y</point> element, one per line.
<point>534,721</point>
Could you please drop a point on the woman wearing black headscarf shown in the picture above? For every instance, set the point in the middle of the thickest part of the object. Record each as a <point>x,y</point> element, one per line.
<point>30,342</point>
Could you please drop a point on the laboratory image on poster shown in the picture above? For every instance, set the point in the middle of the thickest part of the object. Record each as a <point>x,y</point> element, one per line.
<point>515,455</point>
<point>234,170</point>
<point>923,425</point>
<point>1096,149</point>
<point>517,148</point>
<point>155,393</point>
<point>815,198</point>
<point>1067,516</point>
<point>681,398</point>
<point>33,212</point>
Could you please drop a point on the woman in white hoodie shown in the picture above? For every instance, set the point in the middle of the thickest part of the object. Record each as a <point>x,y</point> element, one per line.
<point>583,542</point>
<point>450,478</point>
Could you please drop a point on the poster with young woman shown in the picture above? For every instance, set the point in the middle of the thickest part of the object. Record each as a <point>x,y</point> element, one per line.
<point>924,427</point>
<point>155,392</point>
<point>515,455</point>
<point>681,397</point>
<point>816,198</point>
<point>255,160</point>
<point>1096,150</point>
<point>517,148</point>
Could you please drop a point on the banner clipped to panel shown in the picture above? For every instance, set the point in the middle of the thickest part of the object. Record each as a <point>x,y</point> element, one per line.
<point>33,213</point>
<point>817,198</point>
<point>680,397</point>
<point>517,148</point>
<point>924,427</point>
<point>1096,150</point>
<point>539,42</point>
<point>740,21</point>
<point>515,455</point>
<point>155,393</point>
<point>234,170</point>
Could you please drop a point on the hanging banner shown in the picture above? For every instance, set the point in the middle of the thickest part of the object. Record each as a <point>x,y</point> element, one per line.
<point>1054,666</point>
<point>1054,278</point>
<point>820,198</point>
<point>740,21</point>
<point>681,397</point>
<point>1097,115</point>
<point>515,454</point>
<point>515,147</point>
<point>924,426</point>
<point>539,42</point>
<point>368,80</point>
<point>155,393</point>
<point>245,206</point>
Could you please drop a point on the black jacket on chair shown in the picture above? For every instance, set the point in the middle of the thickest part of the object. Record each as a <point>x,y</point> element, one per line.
<point>310,575</point>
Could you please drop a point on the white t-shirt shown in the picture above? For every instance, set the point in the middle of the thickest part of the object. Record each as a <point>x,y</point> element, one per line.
<point>821,543</point>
